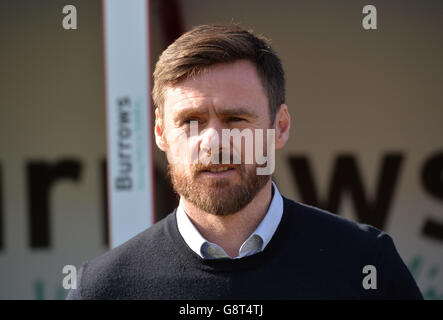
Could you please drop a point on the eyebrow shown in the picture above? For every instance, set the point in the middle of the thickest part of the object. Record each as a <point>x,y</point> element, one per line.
<point>235,111</point>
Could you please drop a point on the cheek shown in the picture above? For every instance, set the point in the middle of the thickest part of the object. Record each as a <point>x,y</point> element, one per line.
<point>251,147</point>
<point>178,168</point>
<point>261,143</point>
<point>176,140</point>
<point>181,149</point>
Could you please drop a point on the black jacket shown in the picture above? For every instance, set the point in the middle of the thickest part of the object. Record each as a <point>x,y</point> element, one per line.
<point>312,255</point>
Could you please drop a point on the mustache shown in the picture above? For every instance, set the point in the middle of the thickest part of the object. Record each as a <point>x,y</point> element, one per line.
<point>199,167</point>
<point>218,160</point>
<point>223,156</point>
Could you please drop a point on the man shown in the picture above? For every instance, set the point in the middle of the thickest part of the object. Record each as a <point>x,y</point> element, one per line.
<point>233,235</point>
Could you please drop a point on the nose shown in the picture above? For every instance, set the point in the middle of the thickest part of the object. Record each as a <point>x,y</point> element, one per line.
<point>210,137</point>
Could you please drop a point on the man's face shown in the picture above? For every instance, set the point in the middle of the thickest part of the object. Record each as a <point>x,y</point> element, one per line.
<point>225,96</point>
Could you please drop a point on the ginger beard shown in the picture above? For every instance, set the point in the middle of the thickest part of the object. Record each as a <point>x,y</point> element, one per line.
<point>218,196</point>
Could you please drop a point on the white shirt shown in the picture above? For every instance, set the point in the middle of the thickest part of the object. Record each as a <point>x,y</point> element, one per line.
<point>255,243</point>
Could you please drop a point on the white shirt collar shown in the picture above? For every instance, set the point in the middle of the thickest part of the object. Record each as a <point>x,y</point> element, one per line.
<point>263,232</point>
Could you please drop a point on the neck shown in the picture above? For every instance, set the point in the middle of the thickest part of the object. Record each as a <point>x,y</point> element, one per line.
<point>230,231</point>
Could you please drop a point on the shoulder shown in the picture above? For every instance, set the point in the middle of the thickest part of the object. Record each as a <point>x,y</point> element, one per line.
<point>339,248</point>
<point>331,230</point>
<point>325,219</point>
<point>136,247</point>
<point>124,266</point>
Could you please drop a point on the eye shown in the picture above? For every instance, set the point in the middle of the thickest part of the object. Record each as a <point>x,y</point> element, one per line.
<point>235,119</point>
<point>188,120</point>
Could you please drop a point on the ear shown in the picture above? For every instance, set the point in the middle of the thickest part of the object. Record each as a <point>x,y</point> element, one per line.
<point>159,131</point>
<point>282,126</point>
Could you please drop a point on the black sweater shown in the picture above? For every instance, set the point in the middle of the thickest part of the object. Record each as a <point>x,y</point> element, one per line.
<point>312,255</point>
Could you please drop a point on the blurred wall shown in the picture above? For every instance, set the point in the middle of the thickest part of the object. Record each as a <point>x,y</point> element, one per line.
<point>51,127</point>
<point>366,122</point>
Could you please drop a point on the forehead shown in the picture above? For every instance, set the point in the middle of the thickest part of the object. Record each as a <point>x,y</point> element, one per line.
<point>221,86</point>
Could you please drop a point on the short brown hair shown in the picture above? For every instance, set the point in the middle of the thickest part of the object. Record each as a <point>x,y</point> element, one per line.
<point>206,45</point>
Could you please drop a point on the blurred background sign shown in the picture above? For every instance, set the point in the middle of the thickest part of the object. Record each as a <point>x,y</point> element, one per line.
<point>129,152</point>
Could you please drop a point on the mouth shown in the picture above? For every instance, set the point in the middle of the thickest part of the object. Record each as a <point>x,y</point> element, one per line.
<point>218,171</point>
